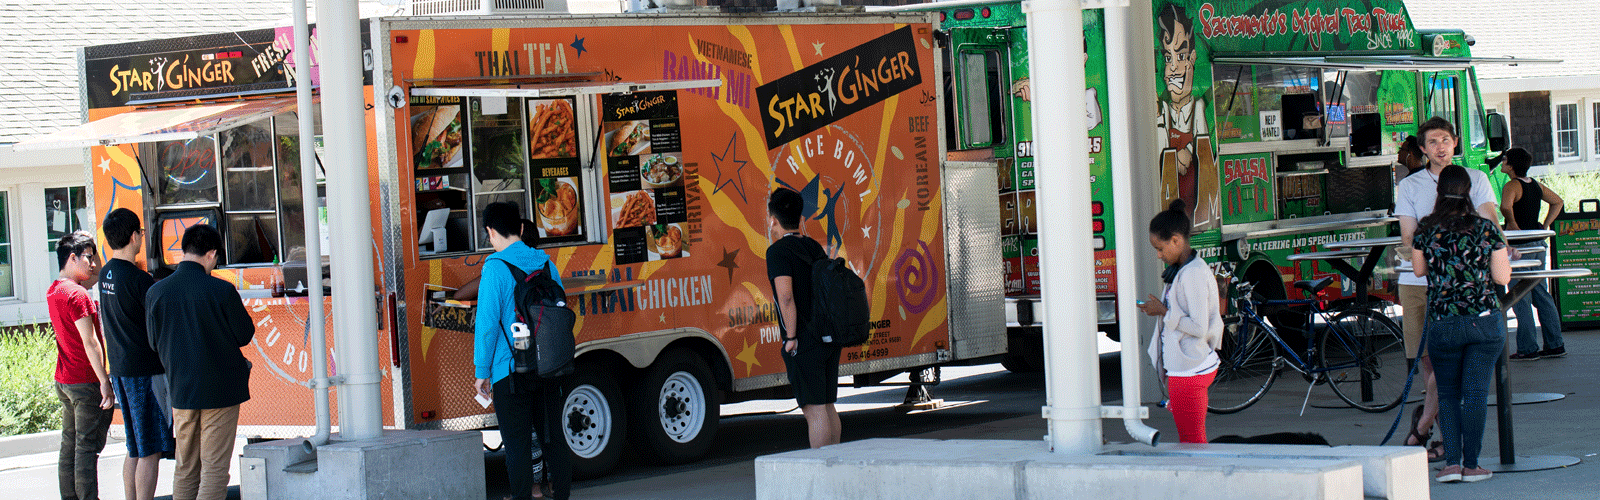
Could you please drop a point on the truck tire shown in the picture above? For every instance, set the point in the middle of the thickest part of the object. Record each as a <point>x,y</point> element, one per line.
<point>675,409</point>
<point>1024,350</point>
<point>594,421</point>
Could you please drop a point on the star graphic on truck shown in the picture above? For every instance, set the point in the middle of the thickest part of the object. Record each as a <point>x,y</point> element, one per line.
<point>730,155</point>
<point>728,261</point>
<point>748,356</point>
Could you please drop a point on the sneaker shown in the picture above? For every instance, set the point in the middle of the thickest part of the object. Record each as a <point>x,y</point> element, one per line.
<point>1559,352</point>
<point>1517,356</point>
<point>1450,474</point>
<point>1475,474</point>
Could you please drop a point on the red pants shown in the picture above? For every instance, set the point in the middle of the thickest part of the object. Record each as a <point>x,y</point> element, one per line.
<point>1187,400</point>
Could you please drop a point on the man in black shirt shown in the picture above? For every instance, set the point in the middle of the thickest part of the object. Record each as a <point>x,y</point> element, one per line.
<point>136,370</point>
<point>197,324</point>
<point>813,367</point>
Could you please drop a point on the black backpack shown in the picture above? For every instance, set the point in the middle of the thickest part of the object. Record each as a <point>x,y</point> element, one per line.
<point>839,313</point>
<point>541,306</point>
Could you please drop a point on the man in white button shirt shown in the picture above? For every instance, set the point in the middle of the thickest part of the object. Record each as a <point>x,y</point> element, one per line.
<point>1415,197</point>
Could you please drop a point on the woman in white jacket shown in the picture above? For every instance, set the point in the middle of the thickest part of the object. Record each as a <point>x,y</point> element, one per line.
<point>1184,347</point>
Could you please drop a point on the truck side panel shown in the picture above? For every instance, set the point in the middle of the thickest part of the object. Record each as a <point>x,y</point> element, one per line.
<point>843,113</point>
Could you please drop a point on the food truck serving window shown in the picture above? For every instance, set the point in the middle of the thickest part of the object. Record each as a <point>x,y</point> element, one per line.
<point>537,145</point>
<point>244,180</point>
<point>468,152</point>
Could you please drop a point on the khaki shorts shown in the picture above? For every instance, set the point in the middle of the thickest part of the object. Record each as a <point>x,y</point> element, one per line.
<point>1414,299</point>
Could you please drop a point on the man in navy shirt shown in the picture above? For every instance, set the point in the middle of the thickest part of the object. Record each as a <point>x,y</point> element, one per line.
<point>197,324</point>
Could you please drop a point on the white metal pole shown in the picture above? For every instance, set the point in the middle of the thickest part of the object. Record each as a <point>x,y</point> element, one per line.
<point>1072,380</point>
<point>349,218</point>
<point>1142,140</point>
<point>313,239</point>
<point>1118,66</point>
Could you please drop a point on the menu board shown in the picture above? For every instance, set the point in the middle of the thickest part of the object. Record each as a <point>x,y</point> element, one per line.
<point>645,173</point>
<point>1577,245</point>
<point>554,166</point>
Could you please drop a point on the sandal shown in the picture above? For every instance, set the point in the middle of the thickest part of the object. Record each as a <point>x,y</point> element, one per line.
<point>1435,449</point>
<point>1422,438</point>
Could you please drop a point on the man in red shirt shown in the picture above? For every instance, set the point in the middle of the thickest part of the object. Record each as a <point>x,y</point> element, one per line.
<point>81,381</point>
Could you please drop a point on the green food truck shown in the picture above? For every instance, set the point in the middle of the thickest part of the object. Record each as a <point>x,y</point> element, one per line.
<point>1278,125</point>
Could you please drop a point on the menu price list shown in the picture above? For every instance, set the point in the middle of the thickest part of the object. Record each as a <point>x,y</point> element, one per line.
<point>1577,245</point>
<point>645,171</point>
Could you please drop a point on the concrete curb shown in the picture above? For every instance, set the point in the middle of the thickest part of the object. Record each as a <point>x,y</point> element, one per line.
<point>29,444</point>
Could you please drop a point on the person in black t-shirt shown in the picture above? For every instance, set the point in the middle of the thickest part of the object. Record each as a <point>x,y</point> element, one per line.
<point>1519,202</point>
<point>813,367</point>
<point>136,370</point>
<point>197,324</point>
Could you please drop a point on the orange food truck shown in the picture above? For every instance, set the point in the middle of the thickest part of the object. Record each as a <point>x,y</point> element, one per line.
<point>643,146</point>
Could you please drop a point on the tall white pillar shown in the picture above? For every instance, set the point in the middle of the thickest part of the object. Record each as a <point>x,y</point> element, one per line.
<point>1066,254</point>
<point>349,219</point>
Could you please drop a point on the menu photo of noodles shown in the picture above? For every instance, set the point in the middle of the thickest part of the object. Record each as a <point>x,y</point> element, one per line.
<point>631,213</point>
<point>553,131</point>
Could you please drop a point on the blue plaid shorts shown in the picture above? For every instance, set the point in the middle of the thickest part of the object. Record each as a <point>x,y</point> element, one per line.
<point>147,420</point>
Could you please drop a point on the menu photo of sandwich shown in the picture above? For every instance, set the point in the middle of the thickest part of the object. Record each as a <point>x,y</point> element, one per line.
<point>436,137</point>
<point>627,138</point>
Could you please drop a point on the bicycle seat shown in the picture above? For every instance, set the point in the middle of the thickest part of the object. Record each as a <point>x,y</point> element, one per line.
<point>1314,286</point>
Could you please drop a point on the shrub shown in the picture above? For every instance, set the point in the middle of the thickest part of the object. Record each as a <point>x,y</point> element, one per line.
<point>1572,187</point>
<point>28,401</point>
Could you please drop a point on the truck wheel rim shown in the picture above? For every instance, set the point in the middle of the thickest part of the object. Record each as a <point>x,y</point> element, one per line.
<point>681,408</point>
<point>588,421</point>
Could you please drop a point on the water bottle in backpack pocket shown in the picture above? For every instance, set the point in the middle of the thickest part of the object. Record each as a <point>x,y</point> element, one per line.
<point>541,339</point>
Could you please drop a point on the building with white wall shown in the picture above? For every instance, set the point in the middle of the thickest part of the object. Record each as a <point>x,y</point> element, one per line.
<point>1553,109</point>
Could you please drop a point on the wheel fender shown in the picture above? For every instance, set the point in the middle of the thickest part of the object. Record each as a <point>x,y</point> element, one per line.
<point>642,349</point>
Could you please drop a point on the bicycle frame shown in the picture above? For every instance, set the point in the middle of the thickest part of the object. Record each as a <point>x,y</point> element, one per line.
<point>1316,308</point>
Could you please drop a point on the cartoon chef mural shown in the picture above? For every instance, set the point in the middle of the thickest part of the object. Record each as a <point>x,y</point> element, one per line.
<point>1188,164</point>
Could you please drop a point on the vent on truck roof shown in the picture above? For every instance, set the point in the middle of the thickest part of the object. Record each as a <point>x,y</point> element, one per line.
<point>483,7</point>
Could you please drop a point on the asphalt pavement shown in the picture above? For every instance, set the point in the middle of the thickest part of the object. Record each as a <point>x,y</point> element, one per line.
<point>986,402</point>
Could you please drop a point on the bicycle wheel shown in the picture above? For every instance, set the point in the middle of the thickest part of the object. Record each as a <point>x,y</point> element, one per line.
<point>1366,352</point>
<point>1249,362</point>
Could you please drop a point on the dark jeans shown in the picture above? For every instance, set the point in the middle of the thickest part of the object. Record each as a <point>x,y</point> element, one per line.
<point>83,436</point>
<point>1464,351</point>
<point>528,408</point>
<point>1549,317</point>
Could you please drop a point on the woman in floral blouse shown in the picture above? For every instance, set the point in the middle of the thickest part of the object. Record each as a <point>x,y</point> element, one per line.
<point>1464,258</point>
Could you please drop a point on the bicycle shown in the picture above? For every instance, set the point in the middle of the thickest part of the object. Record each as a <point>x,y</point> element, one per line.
<point>1358,351</point>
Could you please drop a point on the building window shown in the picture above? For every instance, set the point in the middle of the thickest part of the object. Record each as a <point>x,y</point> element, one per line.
<point>1596,129</point>
<point>1567,145</point>
<point>66,210</point>
<point>7,279</point>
